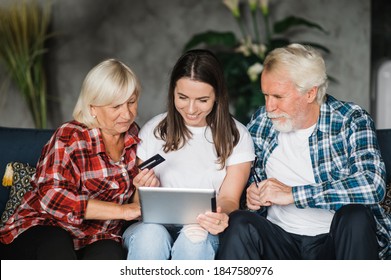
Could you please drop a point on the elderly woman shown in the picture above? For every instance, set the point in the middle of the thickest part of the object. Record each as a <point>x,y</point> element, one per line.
<point>83,186</point>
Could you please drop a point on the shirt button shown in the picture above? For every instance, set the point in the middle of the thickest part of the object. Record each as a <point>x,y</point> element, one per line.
<point>124,174</point>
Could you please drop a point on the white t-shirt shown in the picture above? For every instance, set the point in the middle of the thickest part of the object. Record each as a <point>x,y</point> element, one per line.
<point>290,163</point>
<point>195,164</point>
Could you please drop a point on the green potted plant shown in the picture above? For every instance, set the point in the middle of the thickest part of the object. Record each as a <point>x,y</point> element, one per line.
<point>242,58</point>
<point>23,33</point>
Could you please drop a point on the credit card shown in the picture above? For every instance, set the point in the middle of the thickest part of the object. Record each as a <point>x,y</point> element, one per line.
<point>151,162</point>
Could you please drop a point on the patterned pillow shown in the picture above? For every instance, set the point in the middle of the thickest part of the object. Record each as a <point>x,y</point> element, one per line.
<point>386,203</point>
<point>21,177</point>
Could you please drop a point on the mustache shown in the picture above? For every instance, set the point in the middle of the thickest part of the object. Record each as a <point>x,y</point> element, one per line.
<point>280,115</point>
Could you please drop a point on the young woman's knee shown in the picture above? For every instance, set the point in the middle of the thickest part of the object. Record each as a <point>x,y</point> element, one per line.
<point>147,241</point>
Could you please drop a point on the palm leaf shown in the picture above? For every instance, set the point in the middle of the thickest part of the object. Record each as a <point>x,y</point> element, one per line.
<point>317,46</point>
<point>212,38</point>
<point>293,21</point>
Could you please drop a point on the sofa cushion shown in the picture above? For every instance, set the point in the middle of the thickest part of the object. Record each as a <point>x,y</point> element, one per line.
<point>384,140</point>
<point>386,203</point>
<point>21,177</point>
<point>20,145</point>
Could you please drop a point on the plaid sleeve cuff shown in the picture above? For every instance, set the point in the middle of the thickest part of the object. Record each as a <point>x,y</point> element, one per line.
<point>303,196</point>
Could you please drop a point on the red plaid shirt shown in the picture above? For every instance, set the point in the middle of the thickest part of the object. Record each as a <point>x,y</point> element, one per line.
<point>74,168</point>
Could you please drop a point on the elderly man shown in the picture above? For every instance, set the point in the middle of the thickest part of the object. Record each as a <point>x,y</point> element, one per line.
<point>316,186</point>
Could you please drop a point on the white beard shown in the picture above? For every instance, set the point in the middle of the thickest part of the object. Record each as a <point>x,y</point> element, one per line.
<point>285,126</point>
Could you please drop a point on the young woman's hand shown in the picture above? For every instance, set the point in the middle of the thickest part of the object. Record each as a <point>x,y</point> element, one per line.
<point>213,222</point>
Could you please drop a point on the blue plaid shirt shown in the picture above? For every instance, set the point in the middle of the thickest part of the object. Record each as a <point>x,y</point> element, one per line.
<point>346,160</point>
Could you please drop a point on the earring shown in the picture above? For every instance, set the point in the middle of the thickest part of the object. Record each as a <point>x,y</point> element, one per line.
<point>94,116</point>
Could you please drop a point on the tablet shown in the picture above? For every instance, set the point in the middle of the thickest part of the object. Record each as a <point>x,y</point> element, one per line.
<point>175,205</point>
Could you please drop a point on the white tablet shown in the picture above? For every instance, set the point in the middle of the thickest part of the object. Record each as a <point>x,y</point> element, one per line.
<point>175,205</point>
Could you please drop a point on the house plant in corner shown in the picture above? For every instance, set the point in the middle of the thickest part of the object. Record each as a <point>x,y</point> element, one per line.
<point>23,33</point>
<point>242,58</point>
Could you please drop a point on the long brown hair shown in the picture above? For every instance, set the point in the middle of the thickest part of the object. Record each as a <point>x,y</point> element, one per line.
<point>202,66</point>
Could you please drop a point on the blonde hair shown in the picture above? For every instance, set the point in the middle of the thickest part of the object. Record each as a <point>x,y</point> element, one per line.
<point>305,67</point>
<point>110,82</point>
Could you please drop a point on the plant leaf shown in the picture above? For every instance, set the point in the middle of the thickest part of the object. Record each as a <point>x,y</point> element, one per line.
<point>23,32</point>
<point>293,21</point>
<point>212,38</point>
<point>278,43</point>
<point>317,46</point>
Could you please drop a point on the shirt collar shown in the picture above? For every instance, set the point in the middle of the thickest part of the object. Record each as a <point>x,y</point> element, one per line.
<point>324,122</point>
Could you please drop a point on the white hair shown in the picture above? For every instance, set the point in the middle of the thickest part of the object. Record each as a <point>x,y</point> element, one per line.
<point>305,66</point>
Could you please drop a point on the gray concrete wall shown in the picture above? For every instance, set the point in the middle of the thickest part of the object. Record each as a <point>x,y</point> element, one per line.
<point>149,35</point>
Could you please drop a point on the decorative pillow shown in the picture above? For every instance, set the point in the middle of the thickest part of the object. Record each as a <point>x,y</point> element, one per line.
<point>18,176</point>
<point>386,203</point>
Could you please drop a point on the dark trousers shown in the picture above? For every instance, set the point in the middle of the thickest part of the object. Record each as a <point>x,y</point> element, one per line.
<point>54,243</point>
<point>251,236</point>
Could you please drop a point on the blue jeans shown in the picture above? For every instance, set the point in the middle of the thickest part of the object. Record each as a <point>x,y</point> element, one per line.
<point>164,242</point>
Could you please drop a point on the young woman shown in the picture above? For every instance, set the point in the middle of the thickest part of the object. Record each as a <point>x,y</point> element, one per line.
<point>204,147</point>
